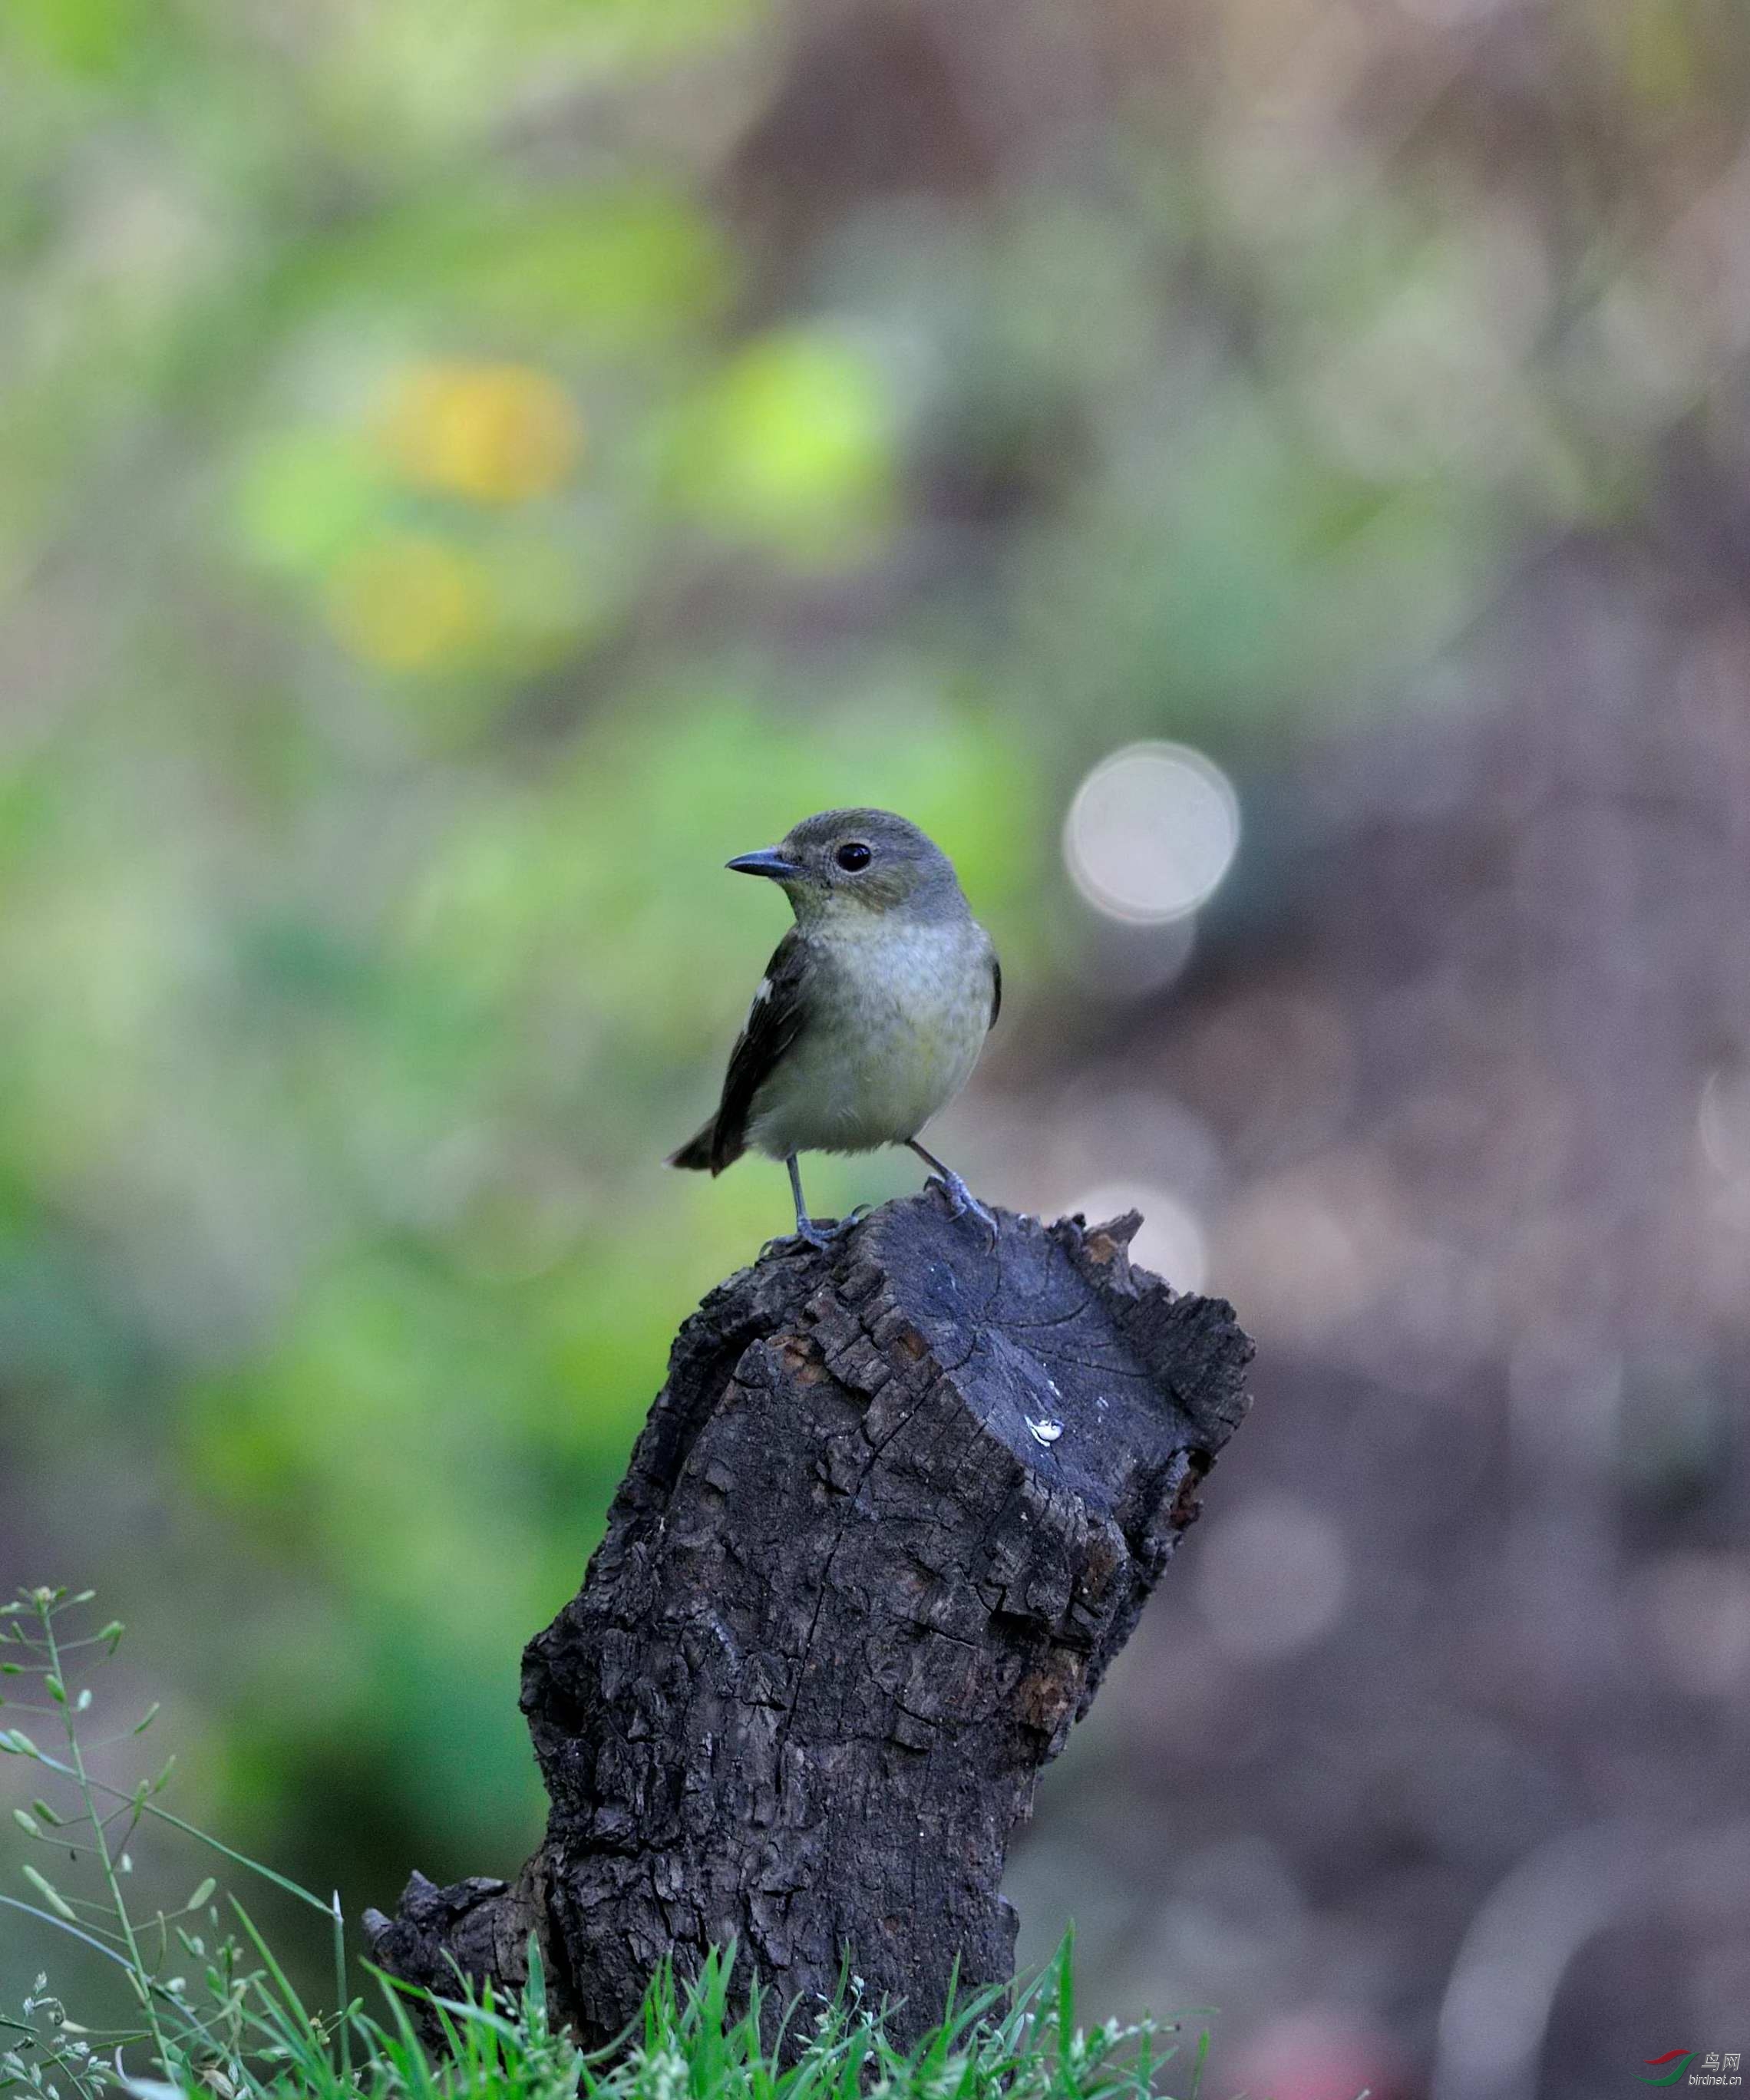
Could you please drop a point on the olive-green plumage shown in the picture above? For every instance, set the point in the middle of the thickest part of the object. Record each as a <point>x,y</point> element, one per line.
<point>873,1010</point>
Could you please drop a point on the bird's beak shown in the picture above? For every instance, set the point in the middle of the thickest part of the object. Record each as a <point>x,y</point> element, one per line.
<point>767,861</point>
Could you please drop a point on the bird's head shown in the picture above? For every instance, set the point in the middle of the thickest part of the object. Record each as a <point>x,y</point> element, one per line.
<point>856,861</point>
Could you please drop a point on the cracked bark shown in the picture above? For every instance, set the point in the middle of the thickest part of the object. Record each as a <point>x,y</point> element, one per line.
<point>853,1593</point>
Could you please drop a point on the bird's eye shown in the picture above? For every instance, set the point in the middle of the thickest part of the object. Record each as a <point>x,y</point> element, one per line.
<point>853,856</point>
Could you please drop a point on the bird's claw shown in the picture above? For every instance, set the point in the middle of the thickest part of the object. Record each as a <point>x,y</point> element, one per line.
<point>961,1201</point>
<point>814,1233</point>
<point>810,1235</point>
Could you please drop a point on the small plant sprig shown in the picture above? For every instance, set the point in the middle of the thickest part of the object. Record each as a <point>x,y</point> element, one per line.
<point>220,2019</point>
<point>192,2030</point>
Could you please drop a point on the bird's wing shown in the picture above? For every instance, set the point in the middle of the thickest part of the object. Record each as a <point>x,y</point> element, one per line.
<point>996,989</point>
<point>774,1021</point>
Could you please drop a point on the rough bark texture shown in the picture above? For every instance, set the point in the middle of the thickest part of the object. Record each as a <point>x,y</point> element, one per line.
<point>895,1509</point>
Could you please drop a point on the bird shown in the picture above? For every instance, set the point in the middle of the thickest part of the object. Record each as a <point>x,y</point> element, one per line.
<point>872,1011</point>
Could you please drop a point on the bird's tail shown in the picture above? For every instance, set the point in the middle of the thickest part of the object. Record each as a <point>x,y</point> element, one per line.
<point>700,1155</point>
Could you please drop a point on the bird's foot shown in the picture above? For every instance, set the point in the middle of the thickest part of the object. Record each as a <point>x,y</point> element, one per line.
<point>961,1201</point>
<point>809,1233</point>
<point>820,1234</point>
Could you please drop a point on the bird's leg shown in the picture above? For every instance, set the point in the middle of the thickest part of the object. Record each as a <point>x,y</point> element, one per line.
<point>960,1199</point>
<point>810,1232</point>
<point>816,1236</point>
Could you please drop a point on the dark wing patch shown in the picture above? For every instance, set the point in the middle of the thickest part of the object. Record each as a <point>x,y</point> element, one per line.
<point>774,1021</point>
<point>996,990</point>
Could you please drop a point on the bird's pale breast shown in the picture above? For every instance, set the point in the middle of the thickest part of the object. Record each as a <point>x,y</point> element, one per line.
<point>896,1022</point>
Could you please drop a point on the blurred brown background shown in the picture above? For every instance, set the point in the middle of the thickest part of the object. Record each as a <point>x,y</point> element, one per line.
<point>1268,484</point>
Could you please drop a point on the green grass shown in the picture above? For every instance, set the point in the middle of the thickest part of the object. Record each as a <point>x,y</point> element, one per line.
<point>207,2009</point>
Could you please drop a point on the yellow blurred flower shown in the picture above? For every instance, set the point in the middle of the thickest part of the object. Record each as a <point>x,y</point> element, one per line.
<point>408,602</point>
<point>494,433</point>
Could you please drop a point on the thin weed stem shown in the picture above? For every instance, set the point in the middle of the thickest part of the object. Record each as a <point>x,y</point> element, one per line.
<point>111,1880</point>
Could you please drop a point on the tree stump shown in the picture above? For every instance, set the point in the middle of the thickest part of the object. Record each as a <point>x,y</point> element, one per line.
<point>898,1506</point>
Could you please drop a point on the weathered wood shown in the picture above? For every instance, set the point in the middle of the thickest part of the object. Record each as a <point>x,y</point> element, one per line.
<point>895,1509</point>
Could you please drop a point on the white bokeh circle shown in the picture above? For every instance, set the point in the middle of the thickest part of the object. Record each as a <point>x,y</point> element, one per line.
<point>1151,831</point>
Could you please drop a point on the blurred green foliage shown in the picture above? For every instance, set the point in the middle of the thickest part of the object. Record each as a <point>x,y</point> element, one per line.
<point>444,513</point>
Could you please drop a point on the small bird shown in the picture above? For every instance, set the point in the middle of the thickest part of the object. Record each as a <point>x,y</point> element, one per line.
<point>871,1013</point>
